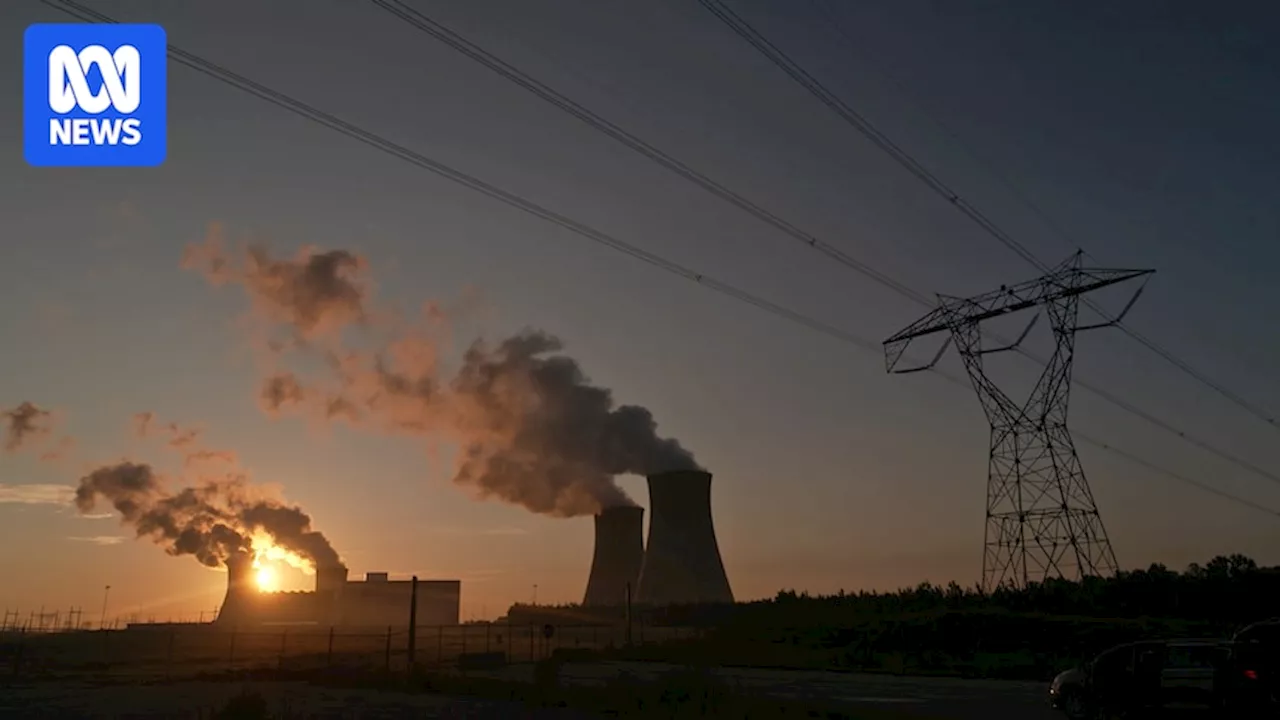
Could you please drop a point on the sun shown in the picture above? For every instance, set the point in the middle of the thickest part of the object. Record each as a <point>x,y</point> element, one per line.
<point>266,579</point>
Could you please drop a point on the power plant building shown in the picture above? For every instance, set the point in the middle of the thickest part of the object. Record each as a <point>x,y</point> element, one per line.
<point>376,601</point>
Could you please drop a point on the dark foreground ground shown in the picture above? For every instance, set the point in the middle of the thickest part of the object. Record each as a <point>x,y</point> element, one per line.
<point>584,690</point>
<point>205,699</point>
<point>924,697</point>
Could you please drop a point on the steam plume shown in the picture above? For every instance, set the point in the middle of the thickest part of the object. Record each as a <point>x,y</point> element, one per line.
<point>529,426</point>
<point>315,293</point>
<point>209,520</point>
<point>185,441</point>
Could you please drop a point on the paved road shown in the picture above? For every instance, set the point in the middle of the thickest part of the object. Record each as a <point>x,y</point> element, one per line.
<point>201,700</point>
<point>941,698</point>
<point>928,697</point>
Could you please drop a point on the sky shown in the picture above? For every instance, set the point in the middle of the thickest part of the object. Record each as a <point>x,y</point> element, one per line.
<point>1141,132</point>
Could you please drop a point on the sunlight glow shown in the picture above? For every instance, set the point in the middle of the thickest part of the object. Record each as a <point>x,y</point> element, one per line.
<point>266,579</point>
<point>269,559</point>
<point>265,552</point>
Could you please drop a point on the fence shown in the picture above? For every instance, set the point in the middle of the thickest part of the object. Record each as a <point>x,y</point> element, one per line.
<point>178,650</point>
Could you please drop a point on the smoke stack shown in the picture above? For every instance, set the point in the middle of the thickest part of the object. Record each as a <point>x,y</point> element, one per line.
<point>682,560</point>
<point>618,555</point>
<point>236,606</point>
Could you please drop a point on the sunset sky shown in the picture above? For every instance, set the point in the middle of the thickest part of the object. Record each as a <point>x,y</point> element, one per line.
<point>1142,132</point>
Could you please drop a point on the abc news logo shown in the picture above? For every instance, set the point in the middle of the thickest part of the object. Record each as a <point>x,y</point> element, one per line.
<point>69,89</point>
<point>95,95</point>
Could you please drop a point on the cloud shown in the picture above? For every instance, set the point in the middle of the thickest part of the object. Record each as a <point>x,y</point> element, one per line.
<point>185,440</point>
<point>494,531</point>
<point>96,516</point>
<point>505,531</point>
<point>99,539</point>
<point>63,449</point>
<point>479,576</point>
<point>37,494</point>
<point>24,423</point>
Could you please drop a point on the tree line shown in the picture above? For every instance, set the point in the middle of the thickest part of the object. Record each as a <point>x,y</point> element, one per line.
<point>1229,589</point>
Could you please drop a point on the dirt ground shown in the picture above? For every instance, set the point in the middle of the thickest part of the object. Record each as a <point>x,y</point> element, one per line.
<point>190,700</point>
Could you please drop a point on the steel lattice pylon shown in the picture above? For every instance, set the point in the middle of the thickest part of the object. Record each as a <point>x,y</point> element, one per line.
<point>1042,520</point>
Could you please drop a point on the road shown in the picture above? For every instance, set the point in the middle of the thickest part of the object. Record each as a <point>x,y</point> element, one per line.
<point>928,697</point>
<point>70,700</point>
<point>923,697</point>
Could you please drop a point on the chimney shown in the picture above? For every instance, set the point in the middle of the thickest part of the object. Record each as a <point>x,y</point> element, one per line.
<point>618,555</point>
<point>237,606</point>
<point>682,560</point>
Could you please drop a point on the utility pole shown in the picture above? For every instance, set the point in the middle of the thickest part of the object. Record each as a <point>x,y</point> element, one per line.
<point>535,594</point>
<point>413,624</point>
<point>1042,520</point>
<point>102,623</point>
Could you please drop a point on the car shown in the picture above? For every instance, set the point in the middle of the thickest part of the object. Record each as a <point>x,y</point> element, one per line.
<point>1255,682</point>
<point>1148,675</point>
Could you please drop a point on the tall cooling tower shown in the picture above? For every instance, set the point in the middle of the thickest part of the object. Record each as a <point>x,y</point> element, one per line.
<point>237,606</point>
<point>618,555</point>
<point>682,560</point>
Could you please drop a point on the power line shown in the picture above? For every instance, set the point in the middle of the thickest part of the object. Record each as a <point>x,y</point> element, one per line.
<point>447,36</point>
<point>508,71</point>
<point>239,82</point>
<point>797,73</point>
<point>1022,197</point>
<point>868,60</point>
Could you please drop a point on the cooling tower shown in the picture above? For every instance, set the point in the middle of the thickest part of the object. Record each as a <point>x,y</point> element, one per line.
<point>237,606</point>
<point>618,555</point>
<point>682,560</point>
<point>331,579</point>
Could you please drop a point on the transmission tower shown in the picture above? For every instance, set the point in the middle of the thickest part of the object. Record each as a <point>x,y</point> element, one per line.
<point>1041,519</point>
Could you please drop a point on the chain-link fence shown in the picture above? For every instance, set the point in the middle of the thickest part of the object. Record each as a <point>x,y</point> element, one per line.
<point>185,650</point>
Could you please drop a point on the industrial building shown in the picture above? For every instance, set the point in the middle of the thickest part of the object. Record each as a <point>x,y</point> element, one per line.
<point>376,601</point>
<point>680,564</point>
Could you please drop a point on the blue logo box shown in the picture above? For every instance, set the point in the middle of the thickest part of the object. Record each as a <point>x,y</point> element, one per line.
<point>95,95</point>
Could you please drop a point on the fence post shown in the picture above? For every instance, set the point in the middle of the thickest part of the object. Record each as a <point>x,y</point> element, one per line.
<point>17,655</point>
<point>413,625</point>
<point>328,658</point>
<point>628,608</point>
<point>533,650</point>
<point>464,639</point>
<point>284,638</point>
<point>440,645</point>
<point>388,659</point>
<point>488,626</point>
<point>168,667</point>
